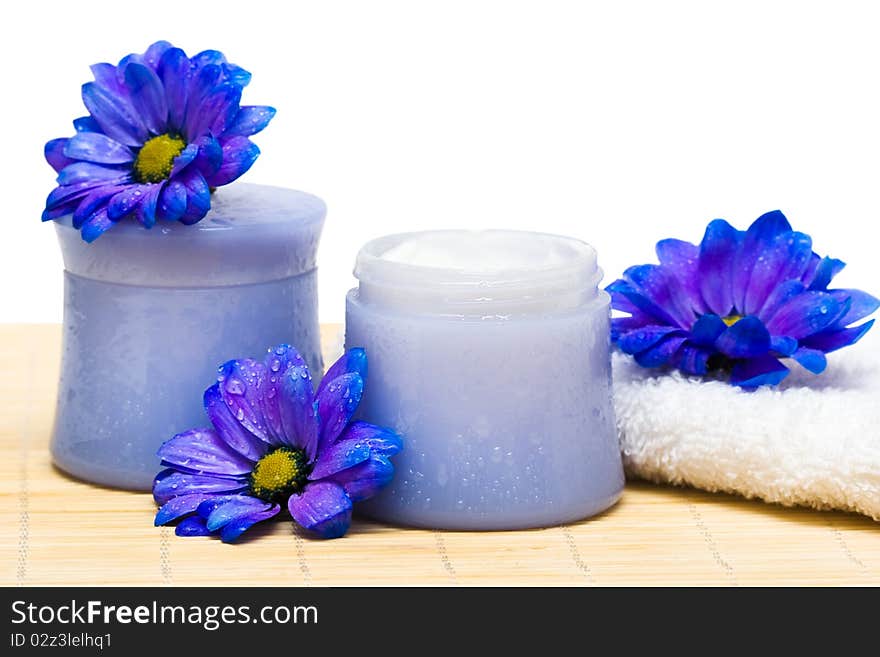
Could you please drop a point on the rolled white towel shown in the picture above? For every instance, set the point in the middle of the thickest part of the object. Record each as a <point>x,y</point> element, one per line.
<point>813,441</point>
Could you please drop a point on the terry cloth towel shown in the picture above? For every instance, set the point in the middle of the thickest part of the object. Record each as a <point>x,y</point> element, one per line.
<point>813,441</point>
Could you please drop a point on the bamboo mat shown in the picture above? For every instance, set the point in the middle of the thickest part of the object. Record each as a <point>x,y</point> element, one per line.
<point>58,531</point>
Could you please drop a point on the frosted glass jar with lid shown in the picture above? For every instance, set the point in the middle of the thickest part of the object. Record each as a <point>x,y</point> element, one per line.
<point>489,351</point>
<point>150,314</point>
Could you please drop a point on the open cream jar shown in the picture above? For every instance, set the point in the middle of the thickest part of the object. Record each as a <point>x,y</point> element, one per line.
<point>489,351</point>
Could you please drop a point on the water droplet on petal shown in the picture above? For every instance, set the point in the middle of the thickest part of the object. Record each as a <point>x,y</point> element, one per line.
<point>235,386</point>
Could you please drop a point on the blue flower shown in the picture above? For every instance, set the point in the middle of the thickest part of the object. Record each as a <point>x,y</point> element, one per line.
<point>163,131</point>
<point>275,442</point>
<point>738,303</point>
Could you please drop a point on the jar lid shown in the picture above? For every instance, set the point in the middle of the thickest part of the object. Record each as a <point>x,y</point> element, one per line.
<point>252,234</point>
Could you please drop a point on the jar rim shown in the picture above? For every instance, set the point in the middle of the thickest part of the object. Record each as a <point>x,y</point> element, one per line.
<point>523,270</point>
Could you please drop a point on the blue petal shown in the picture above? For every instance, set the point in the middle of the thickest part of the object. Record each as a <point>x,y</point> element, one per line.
<point>210,155</point>
<point>682,259</point>
<point>207,57</point>
<point>108,77</point>
<point>202,451</point>
<point>54,153</point>
<point>224,106</point>
<point>174,71</point>
<point>213,502</point>
<point>827,269</point>
<point>811,359</point>
<point>805,314</point>
<point>192,526</point>
<point>745,339</point>
<point>834,340</point>
<point>80,172</point>
<point>96,225</point>
<point>154,53</point>
<point>198,197</point>
<point>363,481</point>
<point>812,267</point>
<point>622,325</point>
<point>171,483</point>
<point>783,345</point>
<point>221,511</point>
<point>336,404</point>
<point>97,148</point>
<point>239,154</point>
<point>96,200</point>
<point>183,160</point>
<point>353,360</point>
<point>217,109</point>
<point>707,329</point>
<point>172,201</point>
<point>297,409</point>
<point>200,87</point>
<point>758,238</point>
<point>860,305</point>
<point>114,115</point>
<point>341,455</point>
<point>779,297</point>
<point>65,194</point>
<point>243,386</point>
<point>717,253</point>
<point>693,360</point>
<point>230,429</point>
<point>381,440</point>
<point>59,211</point>
<point>236,75</point>
<point>660,285</point>
<point>250,120</point>
<point>785,259</point>
<point>281,358</point>
<point>148,96</point>
<point>289,404</point>
<point>620,301</point>
<point>126,201</point>
<point>621,290</point>
<point>661,353</point>
<point>86,124</point>
<point>235,528</point>
<point>756,372</point>
<point>179,506</point>
<point>323,507</point>
<point>147,209</point>
<point>645,337</point>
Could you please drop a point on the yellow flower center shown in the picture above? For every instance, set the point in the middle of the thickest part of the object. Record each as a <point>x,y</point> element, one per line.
<point>156,158</point>
<point>730,320</point>
<point>279,473</point>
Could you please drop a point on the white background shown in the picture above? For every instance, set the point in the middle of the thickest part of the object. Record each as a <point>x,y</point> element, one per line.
<point>619,123</point>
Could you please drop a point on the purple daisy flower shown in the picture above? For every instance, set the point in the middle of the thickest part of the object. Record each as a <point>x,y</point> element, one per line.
<point>739,302</point>
<point>163,131</point>
<point>275,441</point>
